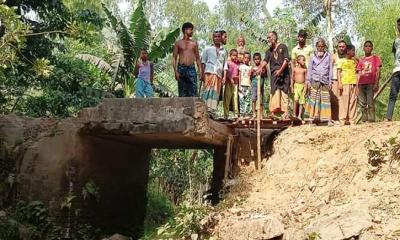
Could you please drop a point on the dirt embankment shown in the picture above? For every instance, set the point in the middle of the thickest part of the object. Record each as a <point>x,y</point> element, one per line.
<point>320,184</point>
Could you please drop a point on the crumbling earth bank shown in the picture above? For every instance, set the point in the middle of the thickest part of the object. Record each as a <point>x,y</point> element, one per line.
<point>319,184</point>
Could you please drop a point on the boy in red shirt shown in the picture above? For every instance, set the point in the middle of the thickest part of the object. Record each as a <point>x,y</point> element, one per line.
<point>368,69</point>
<point>231,91</point>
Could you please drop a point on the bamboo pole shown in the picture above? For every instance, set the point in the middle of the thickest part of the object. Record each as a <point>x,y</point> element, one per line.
<point>382,87</point>
<point>258,107</point>
<point>228,156</point>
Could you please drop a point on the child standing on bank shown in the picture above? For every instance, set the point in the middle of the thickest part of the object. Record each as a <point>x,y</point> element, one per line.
<point>368,69</point>
<point>144,73</point>
<point>245,85</point>
<point>347,80</point>
<point>254,84</point>
<point>299,73</point>
<point>231,85</point>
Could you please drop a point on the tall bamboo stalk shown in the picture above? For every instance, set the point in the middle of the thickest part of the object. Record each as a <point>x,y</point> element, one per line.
<point>258,161</point>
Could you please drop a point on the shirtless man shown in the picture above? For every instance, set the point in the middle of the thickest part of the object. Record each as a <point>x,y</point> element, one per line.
<point>185,72</point>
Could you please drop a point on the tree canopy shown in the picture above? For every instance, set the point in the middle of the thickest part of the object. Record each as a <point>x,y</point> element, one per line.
<point>37,36</point>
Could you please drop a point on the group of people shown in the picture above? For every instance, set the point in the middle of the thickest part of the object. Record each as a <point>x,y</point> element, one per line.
<point>326,87</point>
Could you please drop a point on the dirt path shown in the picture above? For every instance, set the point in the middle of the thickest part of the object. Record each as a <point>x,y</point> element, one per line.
<point>319,183</point>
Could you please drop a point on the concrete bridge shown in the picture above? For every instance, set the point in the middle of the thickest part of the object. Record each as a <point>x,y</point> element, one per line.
<point>111,144</point>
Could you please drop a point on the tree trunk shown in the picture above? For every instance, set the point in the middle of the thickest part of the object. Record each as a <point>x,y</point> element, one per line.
<point>329,19</point>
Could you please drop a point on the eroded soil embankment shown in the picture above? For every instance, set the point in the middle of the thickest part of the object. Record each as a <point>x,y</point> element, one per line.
<point>320,182</point>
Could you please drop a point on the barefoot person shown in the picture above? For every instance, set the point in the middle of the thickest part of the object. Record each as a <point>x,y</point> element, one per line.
<point>187,51</point>
<point>341,53</point>
<point>368,69</point>
<point>231,85</point>
<point>319,82</point>
<point>347,79</point>
<point>245,86</point>
<point>299,73</point>
<point>395,86</point>
<point>144,72</point>
<point>224,41</point>
<point>254,84</point>
<point>277,56</point>
<point>214,62</point>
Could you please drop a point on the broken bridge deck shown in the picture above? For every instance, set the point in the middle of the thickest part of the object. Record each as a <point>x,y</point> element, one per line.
<point>166,123</point>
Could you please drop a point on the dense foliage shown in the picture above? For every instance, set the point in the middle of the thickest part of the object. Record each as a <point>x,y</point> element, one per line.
<point>377,22</point>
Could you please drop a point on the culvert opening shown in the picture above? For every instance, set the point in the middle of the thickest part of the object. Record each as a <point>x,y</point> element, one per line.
<point>245,149</point>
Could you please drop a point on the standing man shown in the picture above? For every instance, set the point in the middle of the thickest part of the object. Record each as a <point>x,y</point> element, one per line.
<point>305,50</point>
<point>241,48</point>
<point>224,37</point>
<point>302,48</point>
<point>318,82</point>
<point>224,40</point>
<point>185,72</point>
<point>214,62</point>
<point>335,95</point>
<point>395,87</point>
<point>277,57</point>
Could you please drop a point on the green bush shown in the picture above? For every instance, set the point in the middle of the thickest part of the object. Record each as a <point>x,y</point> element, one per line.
<point>186,222</point>
<point>159,209</point>
<point>9,229</point>
<point>183,175</point>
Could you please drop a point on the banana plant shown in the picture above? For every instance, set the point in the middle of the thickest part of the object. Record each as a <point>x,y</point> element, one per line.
<point>131,39</point>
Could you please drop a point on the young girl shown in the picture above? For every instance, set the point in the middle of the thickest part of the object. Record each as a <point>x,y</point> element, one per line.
<point>144,73</point>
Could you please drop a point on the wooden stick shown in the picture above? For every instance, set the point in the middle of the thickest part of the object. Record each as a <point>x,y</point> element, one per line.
<point>228,158</point>
<point>382,87</point>
<point>199,90</point>
<point>258,161</point>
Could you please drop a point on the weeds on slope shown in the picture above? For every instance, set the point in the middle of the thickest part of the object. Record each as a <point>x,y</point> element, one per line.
<point>380,154</point>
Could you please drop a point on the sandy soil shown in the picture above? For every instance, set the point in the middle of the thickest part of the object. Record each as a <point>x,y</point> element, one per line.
<point>317,177</point>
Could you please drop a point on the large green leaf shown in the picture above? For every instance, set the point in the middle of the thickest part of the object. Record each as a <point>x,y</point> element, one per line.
<point>318,18</point>
<point>166,86</point>
<point>113,20</point>
<point>164,47</point>
<point>116,64</point>
<point>128,48</point>
<point>252,28</point>
<point>125,40</point>
<point>137,15</point>
<point>96,61</point>
<point>140,28</point>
